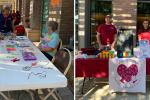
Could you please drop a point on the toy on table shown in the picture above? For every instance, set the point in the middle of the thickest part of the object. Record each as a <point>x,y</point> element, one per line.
<point>119,53</point>
<point>22,44</point>
<point>10,48</point>
<point>28,49</point>
<point>106,54</point>
<point>137,52</point>
<point>15,59</point>
<point>111,54</point>
<point>125,54</point>
<point>27,56</point>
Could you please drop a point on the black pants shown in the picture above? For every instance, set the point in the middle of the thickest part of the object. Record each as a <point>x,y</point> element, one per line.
<point>47,55</point>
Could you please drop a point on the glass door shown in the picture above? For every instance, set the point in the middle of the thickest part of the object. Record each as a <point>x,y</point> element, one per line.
<point>99,8</point>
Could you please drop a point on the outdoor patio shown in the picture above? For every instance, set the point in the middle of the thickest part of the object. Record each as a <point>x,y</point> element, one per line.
<point>64,93</point>
<point>100,91</point>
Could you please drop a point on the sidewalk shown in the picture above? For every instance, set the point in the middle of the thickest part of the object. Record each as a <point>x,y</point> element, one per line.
<point>100,91</point>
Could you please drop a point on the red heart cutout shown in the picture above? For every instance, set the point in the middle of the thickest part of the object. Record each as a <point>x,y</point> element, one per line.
<point>127,73</point>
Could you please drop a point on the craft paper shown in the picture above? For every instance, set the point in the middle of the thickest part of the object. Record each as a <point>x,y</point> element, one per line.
<point>127,75</point>
<point>27,56</point>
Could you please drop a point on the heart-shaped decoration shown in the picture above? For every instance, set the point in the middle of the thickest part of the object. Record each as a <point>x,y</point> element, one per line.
<point>126,73</point>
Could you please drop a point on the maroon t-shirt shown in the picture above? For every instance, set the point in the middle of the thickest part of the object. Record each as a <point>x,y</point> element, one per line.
<point>142,30</point>
<point>107,33</point>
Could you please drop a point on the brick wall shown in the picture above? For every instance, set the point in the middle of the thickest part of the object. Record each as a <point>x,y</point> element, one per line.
<point>125,13</point>
<point>66,21</point>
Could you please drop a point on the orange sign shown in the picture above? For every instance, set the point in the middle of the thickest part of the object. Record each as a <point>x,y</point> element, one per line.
<point>55,3</point>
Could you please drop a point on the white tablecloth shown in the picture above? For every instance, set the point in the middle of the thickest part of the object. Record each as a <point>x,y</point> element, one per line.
<point>16,75</point>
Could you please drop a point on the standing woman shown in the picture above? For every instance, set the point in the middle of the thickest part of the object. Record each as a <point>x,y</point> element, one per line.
<point>144,28</point>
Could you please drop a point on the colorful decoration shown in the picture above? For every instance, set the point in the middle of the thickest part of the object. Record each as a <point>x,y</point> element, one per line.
<point>106,54</point>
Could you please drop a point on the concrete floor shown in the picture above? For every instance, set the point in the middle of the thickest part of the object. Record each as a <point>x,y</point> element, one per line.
<point>100,91</point>
<point>64,93</point>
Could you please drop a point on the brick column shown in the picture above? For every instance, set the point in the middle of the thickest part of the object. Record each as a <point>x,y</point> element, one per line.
<point>125,13</point>
<point>17,4</point>
<point>36,15</point>
<point>81,24</point>
<point>66,20</point>
<point>26,9</point>
<point>20,6</point>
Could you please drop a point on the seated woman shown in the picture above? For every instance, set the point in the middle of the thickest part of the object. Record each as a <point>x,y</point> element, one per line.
<point>50,41</point>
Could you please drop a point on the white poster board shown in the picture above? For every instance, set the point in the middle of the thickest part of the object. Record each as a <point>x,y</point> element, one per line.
<point>127,75</point>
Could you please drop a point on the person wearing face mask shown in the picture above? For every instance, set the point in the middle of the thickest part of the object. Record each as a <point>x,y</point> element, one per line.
<point>145,27</point>
<point>106,34</point>
<point>6,22</point>
<point>50,41</point>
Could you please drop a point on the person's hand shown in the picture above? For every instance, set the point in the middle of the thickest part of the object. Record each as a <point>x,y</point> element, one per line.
<point>101,47</point>
<point>112,47</point>
<point>13,35</point>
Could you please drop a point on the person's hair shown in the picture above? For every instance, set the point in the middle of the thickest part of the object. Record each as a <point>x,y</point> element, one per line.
<point>6,8</point>
<point>110,16</point>
<point>146,20</point>
<point>53,25</point>
<point>141,26</point>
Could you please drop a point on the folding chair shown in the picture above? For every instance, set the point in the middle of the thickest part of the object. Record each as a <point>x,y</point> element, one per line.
<point>59,46</point>
<point>62,61</point>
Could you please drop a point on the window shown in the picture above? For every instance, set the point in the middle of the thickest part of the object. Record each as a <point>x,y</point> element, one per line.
<point>143,12</point>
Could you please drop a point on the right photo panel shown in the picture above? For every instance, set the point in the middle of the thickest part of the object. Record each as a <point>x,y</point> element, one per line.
<point>112,49</point>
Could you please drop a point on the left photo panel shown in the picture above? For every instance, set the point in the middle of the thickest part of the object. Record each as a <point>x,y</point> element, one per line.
<point>36,49</point>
